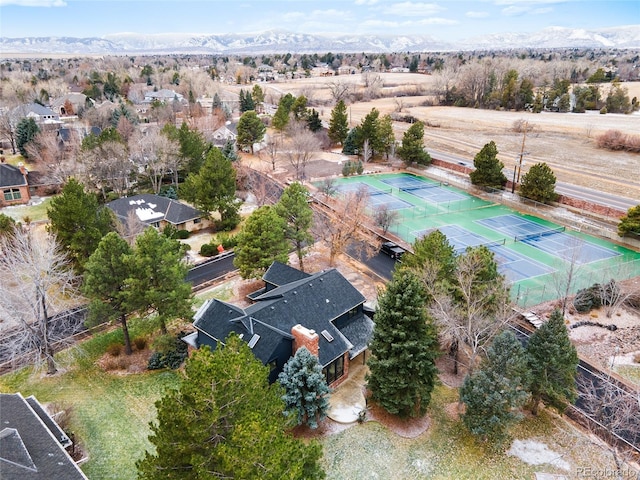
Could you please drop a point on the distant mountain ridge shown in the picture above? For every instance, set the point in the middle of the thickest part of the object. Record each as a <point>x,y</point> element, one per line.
<point>277,41</point>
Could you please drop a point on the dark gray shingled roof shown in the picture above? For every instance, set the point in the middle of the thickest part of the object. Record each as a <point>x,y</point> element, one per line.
<point>280,274</point>
<point>28,449</point>
<point>154,208</point>
<point>314,301</point>
<point>11,176</point>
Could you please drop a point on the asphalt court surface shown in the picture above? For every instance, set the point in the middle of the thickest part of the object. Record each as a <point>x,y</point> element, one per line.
<point>430,191</point>
<point>377,197</point>
<point>530,251</point>
<point>557,243</point>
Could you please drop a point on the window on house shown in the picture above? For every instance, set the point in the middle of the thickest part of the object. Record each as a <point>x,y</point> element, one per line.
<point>273,365</point>
<point>12,194</point>
<point>353,312</point>
<point>197,220</point>
<point>334,370</point>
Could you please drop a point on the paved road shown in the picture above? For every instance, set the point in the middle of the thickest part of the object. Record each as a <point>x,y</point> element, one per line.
<point>211,269</point>
<point>381,264</point>
<point>574,191</point>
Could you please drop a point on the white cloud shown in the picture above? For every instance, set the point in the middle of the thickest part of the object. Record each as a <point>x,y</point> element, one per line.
<point>528,2</point>
<point>477,14</point>
<point>410,23</point>
<point>366,2</point>
<point>331,13</point>
<point>411,9</point>
<point>293,16</point>
<point>543,10</point>
<point>514,10</point>
<point>34,3</point>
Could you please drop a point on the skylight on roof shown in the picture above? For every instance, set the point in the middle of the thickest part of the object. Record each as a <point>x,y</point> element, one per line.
<point>254,340</point>
<point>327,335</point>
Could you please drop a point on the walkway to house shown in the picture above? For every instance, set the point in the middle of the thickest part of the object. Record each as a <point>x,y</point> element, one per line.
<point>347,400</point>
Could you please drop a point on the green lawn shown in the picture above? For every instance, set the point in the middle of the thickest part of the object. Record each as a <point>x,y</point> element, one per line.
<point>110,413</point>
<point>447,450</point>
<point>110,416</point>
<point>36,213</point>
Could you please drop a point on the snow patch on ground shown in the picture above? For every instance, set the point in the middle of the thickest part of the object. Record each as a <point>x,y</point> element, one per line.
<point>537,453</point>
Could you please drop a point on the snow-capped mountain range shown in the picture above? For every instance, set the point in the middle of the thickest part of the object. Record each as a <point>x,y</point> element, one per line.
<point>274,41</point>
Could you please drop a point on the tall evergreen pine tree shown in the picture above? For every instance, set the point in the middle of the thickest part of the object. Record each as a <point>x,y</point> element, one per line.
<point>493,392</point>
<point>553,362</point>
<point>338,124</point>
<point>404,349</point>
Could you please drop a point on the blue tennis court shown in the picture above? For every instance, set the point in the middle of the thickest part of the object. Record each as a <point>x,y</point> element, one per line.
<point>430,191</point>
<point>511,264</point>
<point>376,197</point>
<point>553,241</point>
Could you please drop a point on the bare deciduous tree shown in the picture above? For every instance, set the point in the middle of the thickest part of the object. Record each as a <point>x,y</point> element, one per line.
<point>155,155</point>
<point>37,283</point>
<point>131,227</point>
<point>616,413</point>
<point>339,90</point>
<point>478,312</point>
<point>301,147</point>
<point>8,124</point>
<point>564,278</point>
<point>108,167</point>
<point>385,217</point>
<point>271,150</point>
<point>342,226</point>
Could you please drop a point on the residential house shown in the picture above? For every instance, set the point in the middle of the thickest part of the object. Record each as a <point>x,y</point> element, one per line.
<point>163,95</point>
<point>32,445</point>
<point>321,311</point>
<point>222,135</point>
<point>14,185</point>
<point>42,115</point>
<point>69,104</point>
<point>159,212</point>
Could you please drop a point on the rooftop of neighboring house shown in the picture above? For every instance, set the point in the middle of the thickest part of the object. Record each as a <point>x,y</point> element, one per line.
<point>11,176</point>
<point>31,443</point>
<point>151,208</point>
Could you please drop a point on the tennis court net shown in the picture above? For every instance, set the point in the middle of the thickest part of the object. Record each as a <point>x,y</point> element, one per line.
<point>495,243</point>
<point>377,191</point>
<point>544,233</point>
<point>423,186</point>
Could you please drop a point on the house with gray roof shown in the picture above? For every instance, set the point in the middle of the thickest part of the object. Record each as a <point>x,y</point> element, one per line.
<point>163,95</point>
<point>32,445</point>
<point>321,311</point>
<point>41,115</point>
<point>14,186</point>
<point>159,212</point>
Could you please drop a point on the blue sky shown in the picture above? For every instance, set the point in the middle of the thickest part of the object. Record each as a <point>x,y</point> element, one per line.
<point>445,20</point>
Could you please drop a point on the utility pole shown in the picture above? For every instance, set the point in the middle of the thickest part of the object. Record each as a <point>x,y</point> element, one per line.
<point>525,127</point>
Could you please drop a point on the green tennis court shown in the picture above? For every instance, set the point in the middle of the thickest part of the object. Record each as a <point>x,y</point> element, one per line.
<point>535,255</point>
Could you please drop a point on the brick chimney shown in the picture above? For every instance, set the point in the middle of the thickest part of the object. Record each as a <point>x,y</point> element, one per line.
<point>303,337</point>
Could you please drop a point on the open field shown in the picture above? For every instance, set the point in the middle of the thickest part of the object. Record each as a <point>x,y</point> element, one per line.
<point>565,141</point>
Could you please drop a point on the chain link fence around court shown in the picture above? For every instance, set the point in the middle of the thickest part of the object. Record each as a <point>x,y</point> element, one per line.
<point>582,221</point>
<point>581,278</point>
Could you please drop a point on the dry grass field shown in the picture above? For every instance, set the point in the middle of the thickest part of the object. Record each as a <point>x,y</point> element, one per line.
<point>565,141</point>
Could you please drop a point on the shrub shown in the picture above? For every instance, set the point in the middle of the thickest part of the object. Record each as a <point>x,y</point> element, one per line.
<point>603,111</point>
<point>140,343</point>
<point>182,234</point>
<point>115,349</point>
<point>587,299</point>
<point>227,240</point>
<point>616,140</point>
<point>171,352</point>
<point>208,250</point>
